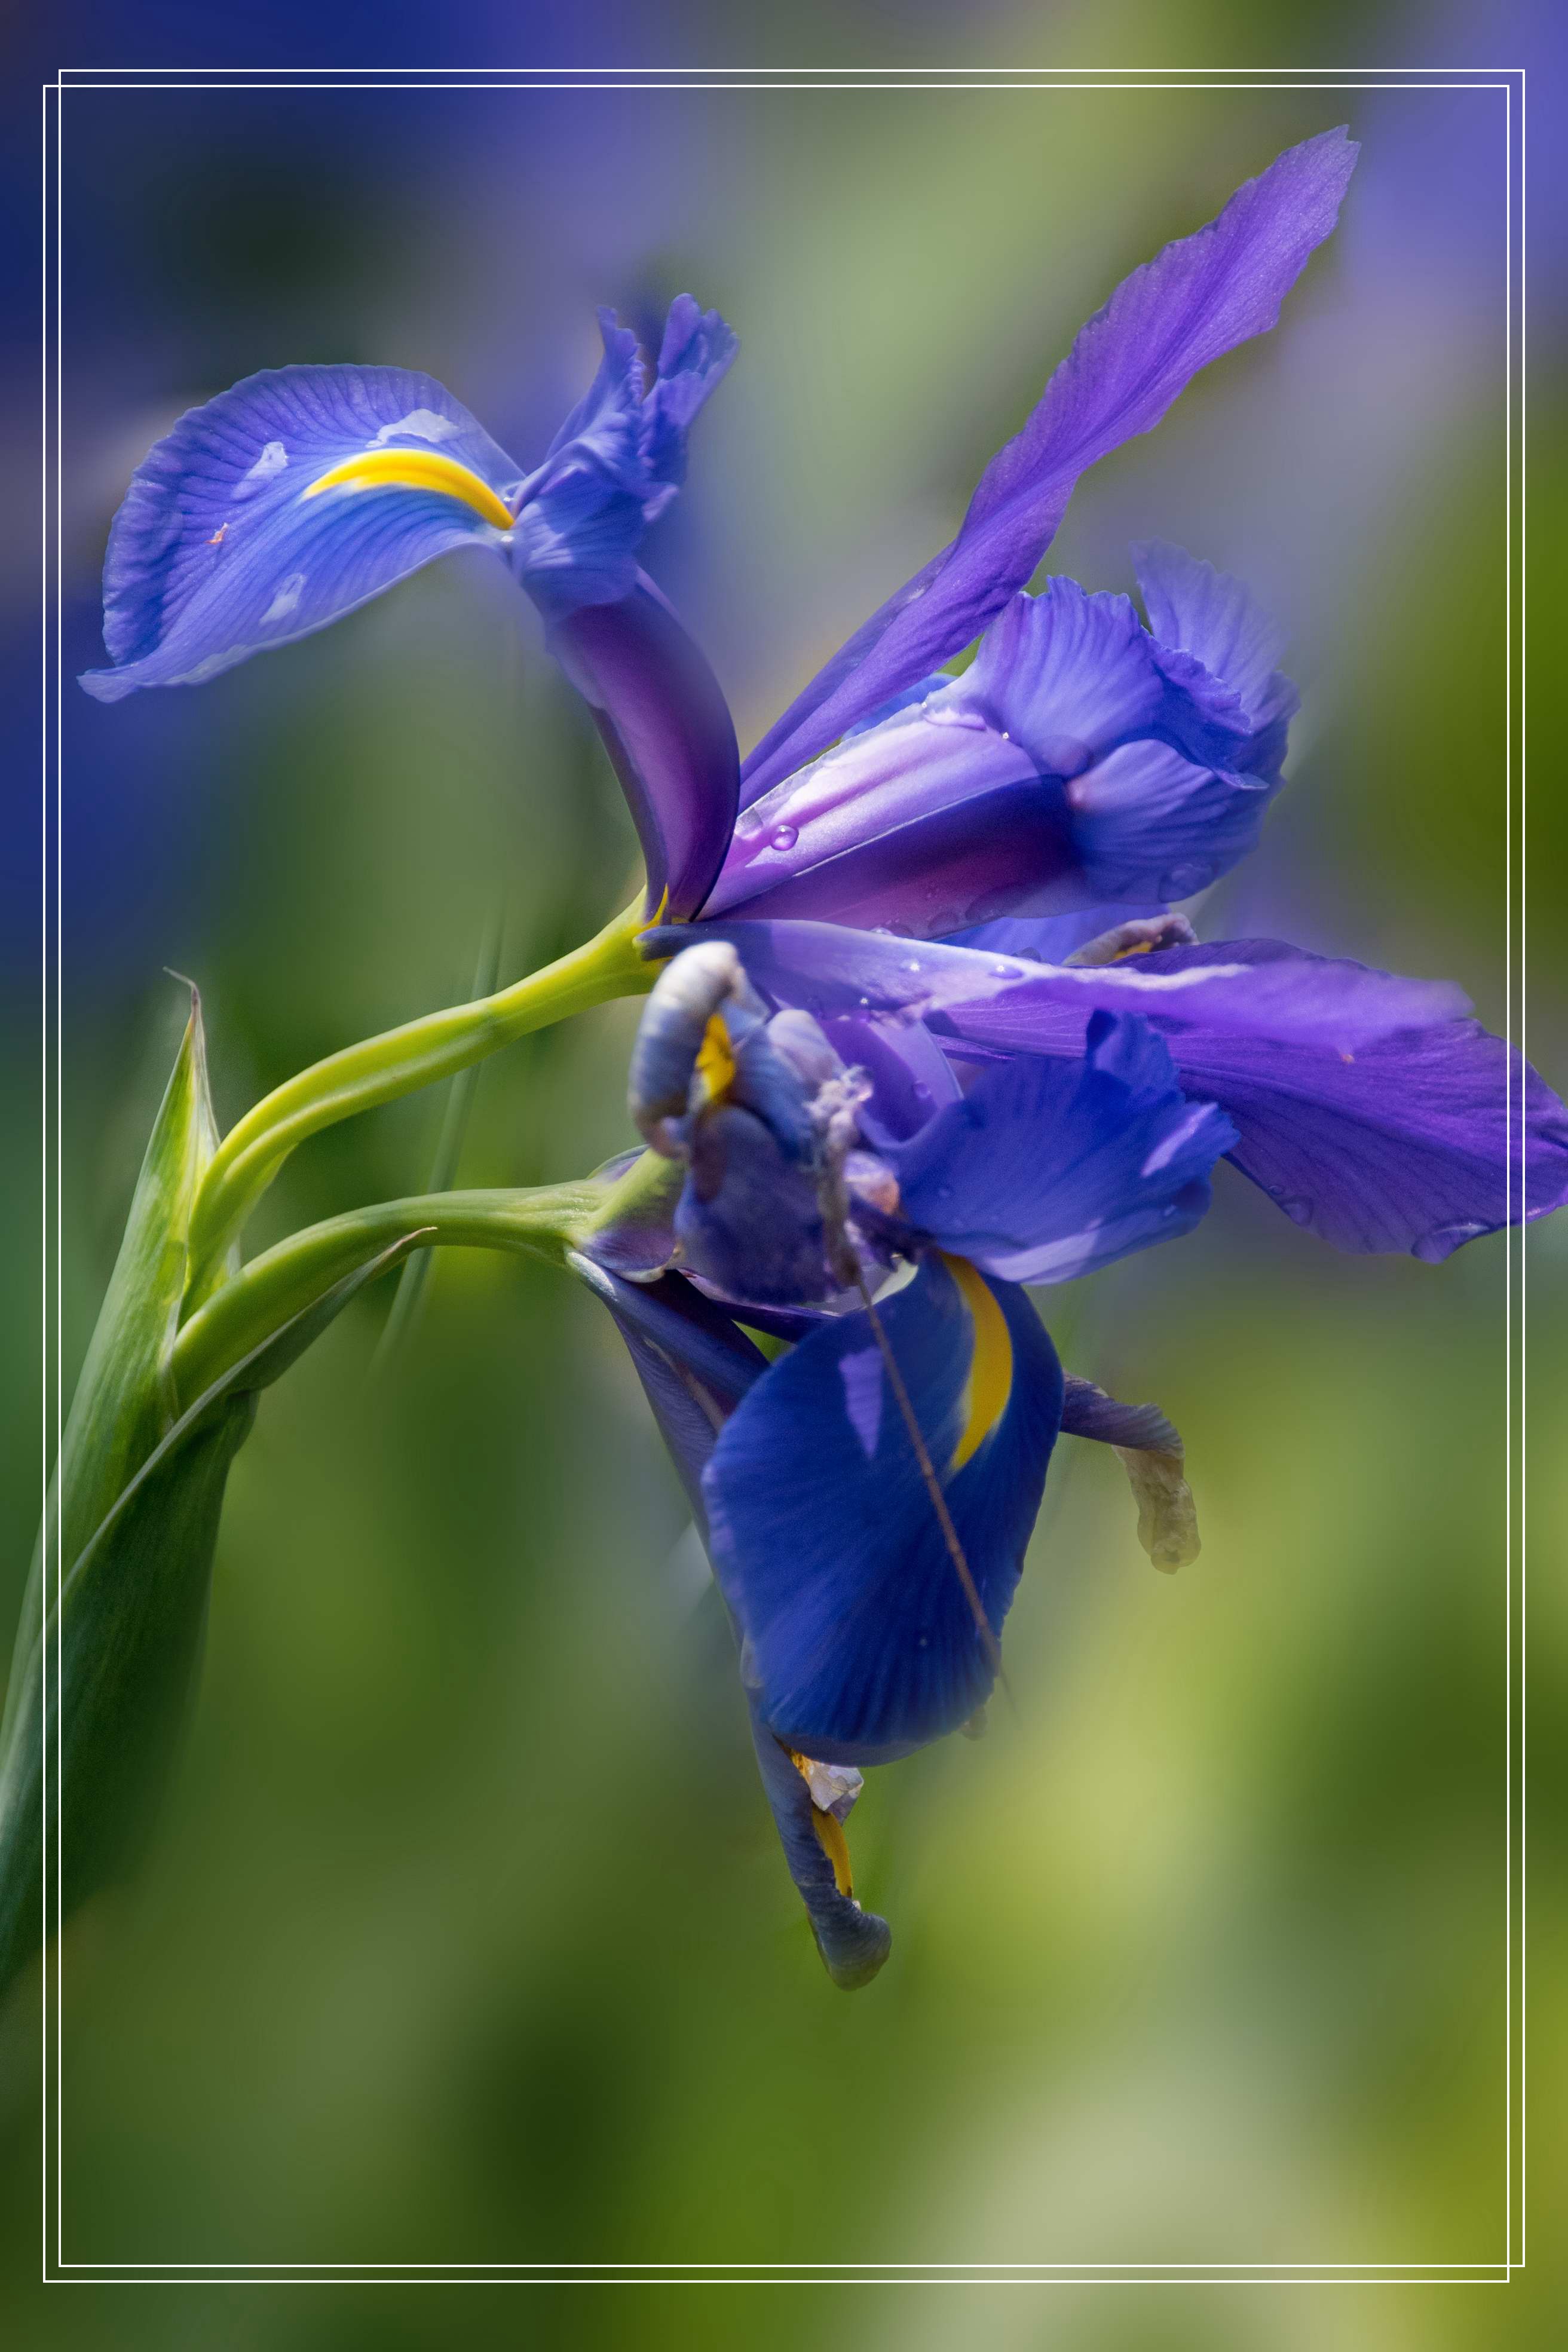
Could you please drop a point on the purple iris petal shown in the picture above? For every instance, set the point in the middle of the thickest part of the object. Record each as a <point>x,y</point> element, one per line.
<point>234,537</point>
<point>216,551</point>
<point>1197,299</point>
<point>831,1555</point>
<point>1247,988</point>
<point>1069,766</point>
<point>1195,610</point>
<point>1047,1170</point>
<point>1408,1145</point>
<point>695,1366</point>
<point>667,729</point>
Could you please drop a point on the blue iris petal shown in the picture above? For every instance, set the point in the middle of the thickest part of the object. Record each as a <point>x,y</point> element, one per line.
<point>1047,1170</point>
<point>824,1534</point>
<point>218,551</point>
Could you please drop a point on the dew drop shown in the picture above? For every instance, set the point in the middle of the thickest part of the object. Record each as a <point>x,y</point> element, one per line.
<point>784,836</point>
<point>1298,1208</point>
<point>1005,971</point>
<point>912,963</point>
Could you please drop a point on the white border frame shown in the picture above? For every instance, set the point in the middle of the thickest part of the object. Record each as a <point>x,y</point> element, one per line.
<point>1510,80</point>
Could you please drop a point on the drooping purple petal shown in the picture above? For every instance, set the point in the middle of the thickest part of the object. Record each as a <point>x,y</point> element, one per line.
<point>825,1537</point>
<point>1046,1170</point>
<point>667,729</point>
<point>1197,299</point>
<point>1407,1143</point>
<point>224,544</point>
<point>695,1366</point>
<point>1256,988</point>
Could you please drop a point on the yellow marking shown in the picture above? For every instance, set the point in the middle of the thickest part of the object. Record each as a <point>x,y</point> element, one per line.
<point>715,1062</point>
<point>1143,947</point>
<point>830,1837</point>
<point>990,1381</point>
<point>416,469</point>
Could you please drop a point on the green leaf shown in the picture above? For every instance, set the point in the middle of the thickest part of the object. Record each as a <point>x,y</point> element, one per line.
<point>135,1509</point>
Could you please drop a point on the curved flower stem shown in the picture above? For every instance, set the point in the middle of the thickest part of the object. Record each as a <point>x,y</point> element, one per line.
<point>397,1063</point>
<point>542,1222</point>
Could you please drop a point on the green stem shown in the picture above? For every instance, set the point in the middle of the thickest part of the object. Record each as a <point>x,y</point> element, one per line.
<point>543,1223</point>
<point>382,1068</point>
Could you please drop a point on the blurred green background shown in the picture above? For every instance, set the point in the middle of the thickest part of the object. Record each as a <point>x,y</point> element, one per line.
<point>468,1939</point>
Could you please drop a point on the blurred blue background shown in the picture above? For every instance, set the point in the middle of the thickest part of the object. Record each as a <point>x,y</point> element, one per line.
<point>468,1939</point>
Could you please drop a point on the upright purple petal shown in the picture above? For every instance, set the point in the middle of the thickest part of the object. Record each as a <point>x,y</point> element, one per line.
<point>1197,299</point>
<point>667,729</point>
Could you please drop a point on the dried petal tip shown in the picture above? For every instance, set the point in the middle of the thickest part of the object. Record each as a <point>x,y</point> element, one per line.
<point>1167,1519</point>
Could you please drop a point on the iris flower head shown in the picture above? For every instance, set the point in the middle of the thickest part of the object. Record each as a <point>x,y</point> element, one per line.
<point>926,1030</point>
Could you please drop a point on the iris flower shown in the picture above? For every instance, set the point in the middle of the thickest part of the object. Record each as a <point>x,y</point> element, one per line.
<point>868,1497</point>
<point>1081,759</point>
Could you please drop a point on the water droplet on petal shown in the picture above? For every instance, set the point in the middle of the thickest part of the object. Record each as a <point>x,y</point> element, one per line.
<point>1005,971</point>
<point>912,963</point>
<point>784,836</point>
<point>1298,1208</point>
<point>1182,881</point>
<point>1443,1240</point>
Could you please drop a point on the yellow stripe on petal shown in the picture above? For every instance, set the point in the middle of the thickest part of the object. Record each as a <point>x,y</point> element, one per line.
<point>416,469</point>
<point>990,1381</point>
<point>716,1060</point>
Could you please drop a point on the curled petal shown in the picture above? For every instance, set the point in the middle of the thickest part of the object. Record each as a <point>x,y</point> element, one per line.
<point>1197,299</point>
<point>1218,622</point>
<point>669,735</point>
<point>824,1534</point>
<point>853,1942</point>
<point>1150,1450</point>
<point>1047,1170</point>
<point>283,504</point>
<point>1067,768</point>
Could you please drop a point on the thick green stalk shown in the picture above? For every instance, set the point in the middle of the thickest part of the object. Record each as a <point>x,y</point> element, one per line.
<point>382,1068</point>
<point>283,1281</point>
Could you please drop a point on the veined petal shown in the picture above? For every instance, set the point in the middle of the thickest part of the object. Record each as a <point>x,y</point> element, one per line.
<point>1005,1004</point>
<point>616,462</point>
<point>1420,1140</point>
<point>1047,1170</point>
<point>1197,299</point>
<point>667,729</point>
<point>825,1537</point>
<point>1072,675</point>
<point>283,504</point>
<point>695,1366</point>
<point>1196,611</point>
<point>1048,777</point>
